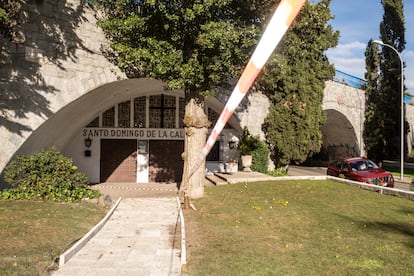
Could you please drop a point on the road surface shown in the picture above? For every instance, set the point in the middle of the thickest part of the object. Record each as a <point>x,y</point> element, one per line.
<point>312,171</point>
<point>305,171</point>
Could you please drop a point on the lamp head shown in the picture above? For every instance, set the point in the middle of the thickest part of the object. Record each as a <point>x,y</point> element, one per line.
<point>378,42</point>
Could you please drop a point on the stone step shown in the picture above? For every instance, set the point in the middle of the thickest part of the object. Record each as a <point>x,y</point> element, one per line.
<point>214,179</point>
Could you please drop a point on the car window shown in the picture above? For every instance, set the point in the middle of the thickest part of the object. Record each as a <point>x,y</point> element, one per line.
<point>363,165</point>
<point>371,165</point>
<point>337,164</point>
<point>354,166</point>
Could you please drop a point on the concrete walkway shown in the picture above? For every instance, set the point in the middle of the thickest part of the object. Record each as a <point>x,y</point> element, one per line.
<point>141,238</point>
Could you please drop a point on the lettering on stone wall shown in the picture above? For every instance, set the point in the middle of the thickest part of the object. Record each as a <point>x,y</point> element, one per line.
<point>135,133</point>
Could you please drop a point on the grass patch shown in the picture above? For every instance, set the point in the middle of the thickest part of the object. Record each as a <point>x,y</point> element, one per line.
<point>34,233</point>
<point>396,171</point>
<point>299,228</point>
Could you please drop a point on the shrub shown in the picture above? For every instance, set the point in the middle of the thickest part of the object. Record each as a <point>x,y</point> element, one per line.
<point>252,145</point>
<point>46,175</point>
<point>278,172</point>
<point>260,157</point>
<point>248,143</point>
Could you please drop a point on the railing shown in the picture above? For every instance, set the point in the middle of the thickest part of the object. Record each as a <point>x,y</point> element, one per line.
<point>350,80</point>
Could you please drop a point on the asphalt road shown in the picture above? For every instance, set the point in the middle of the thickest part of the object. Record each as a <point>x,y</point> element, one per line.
<point>312,171</point>
<point>305,171</point>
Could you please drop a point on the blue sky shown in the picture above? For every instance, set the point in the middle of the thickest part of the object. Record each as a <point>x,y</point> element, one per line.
<point>358,21</point>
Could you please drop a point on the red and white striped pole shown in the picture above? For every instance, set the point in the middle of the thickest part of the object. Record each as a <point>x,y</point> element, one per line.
<point>282,18</point>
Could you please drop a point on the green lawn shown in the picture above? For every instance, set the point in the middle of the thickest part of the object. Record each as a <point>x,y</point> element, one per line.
<point>396,171</point>
<point>299,228</point>
<point>34,233</point>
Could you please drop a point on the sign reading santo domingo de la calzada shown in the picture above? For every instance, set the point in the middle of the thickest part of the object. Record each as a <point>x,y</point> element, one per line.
<point>135,133</point>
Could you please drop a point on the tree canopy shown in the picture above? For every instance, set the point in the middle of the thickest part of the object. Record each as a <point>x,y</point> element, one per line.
<point>196,46</point>
<point>9,20</point>
<point>374,141</point>
<point>384,85</point>
<point>200,46</point>
<point>191,45</point>
<point>295,79</point>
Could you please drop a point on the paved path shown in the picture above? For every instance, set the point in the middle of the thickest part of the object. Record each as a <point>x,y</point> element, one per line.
<point>141,238</point>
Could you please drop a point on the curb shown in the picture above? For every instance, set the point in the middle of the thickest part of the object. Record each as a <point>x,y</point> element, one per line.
<point>65,257</point>
<point>183,244</point>
<point>383,190</point>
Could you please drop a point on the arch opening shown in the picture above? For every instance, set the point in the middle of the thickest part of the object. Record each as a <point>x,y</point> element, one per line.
<point>339,138</point>
<point>81,131</point>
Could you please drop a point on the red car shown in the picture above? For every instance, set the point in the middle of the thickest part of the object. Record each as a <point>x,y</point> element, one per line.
<point>361,169</point>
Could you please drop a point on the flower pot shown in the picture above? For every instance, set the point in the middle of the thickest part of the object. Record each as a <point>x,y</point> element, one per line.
<point>246,161</point>
<point>231,167</point>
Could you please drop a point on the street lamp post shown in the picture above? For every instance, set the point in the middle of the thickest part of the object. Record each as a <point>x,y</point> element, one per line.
<point>402,103</point>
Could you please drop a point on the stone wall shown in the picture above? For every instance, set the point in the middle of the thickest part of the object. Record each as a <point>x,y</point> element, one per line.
<point>409,117</point>
<point>59,61</point>
<point>350,102</point>
<point>251,112</point>
<point>252,115</point>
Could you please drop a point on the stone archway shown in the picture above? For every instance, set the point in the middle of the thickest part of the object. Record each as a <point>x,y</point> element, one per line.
<point>61,127</point>
<point>68,130</point>
<point>339,137</point>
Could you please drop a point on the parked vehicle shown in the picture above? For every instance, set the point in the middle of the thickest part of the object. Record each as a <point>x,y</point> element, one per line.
<point>361,169</point>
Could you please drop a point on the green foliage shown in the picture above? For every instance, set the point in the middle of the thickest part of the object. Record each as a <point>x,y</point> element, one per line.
<point>46,175</point>
<point>260,158</point>
<point>374,142</point>
<point>383,73</point>
<point>10,18</point>
<point>278,172</point>
<point>191,45</point>
<point>4,17</point>
<point>248,143</point>
<point>252,145</point>
<point>196,46</point>
<point>294,80</point>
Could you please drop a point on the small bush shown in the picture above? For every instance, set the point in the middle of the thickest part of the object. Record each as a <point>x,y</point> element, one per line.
<point>46,175</point>
<point>278,172</point>
<point>260,157</point>
<point>248,143</point>
<point>252,145</point>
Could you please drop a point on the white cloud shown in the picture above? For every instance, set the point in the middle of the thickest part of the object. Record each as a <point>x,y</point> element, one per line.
<point>409,85</point>
<point>408,54</point>
<point>358,21</point>
<point>349,58</point>
<point>348,49</point>
<point>409,79</point>
<point>408,57</point>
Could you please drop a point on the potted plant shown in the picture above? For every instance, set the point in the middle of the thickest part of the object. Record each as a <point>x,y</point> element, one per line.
<point>246,146</point>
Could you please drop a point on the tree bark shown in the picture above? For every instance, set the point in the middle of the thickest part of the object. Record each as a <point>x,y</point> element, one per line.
<point>196,127</point>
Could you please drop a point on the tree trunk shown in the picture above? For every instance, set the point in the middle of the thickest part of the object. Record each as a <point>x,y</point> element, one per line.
<point>196,126</point>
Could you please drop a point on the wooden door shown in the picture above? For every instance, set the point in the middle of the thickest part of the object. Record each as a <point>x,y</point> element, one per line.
<point>166,164</point>
<point>118,160</point>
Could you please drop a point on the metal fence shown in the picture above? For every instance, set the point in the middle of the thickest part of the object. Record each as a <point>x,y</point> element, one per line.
<point>350,80</point>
